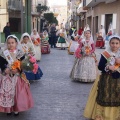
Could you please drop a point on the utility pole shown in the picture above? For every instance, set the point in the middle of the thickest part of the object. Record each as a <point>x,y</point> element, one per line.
<point>21,16</point>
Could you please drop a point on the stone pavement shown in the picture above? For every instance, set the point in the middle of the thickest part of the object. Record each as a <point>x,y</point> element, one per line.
<point>56,97</point>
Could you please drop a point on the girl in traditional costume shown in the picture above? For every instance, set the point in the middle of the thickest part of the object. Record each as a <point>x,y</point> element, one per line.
<point>27,43</point>
<point>84,69</point>
<point>37,44</point>
<point>45,47</point>
<point>62,43</point>
<point>15,95</point>
<point>73,43</point>
<point>101,37</point>
<point>104,99</point>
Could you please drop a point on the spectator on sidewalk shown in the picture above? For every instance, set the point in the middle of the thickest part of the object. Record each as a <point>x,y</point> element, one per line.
<point>53,36</point>
<point>6,30</point>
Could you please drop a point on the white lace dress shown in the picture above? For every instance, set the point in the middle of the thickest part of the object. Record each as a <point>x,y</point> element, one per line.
<point>84,69</point>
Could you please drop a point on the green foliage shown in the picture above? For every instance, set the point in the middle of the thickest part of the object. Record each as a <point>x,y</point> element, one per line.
<point>40,8</point>
<point>50,18</point>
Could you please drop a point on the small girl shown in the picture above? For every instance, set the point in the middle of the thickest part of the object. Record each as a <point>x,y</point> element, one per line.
<point>15,95</point>
<point>44,43</point>
<point>84,68</point>
<point>104,99</point>
<point>73,43</point>
<point>26,42</point>
<point>62,43</point>
<point>37,45</point>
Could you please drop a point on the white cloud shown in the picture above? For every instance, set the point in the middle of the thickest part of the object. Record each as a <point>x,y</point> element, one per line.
<point>56,2</point>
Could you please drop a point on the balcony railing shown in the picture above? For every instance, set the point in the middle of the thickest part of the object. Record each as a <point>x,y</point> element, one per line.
<point>14,5</point>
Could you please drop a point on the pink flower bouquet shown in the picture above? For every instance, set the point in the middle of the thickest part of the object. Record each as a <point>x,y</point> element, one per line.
<point>29,64</point>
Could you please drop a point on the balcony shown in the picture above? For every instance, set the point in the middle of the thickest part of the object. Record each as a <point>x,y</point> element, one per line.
<point>81,8</point>
<point>14,5</point>
<point>92,3</point>
<point>84,5</point>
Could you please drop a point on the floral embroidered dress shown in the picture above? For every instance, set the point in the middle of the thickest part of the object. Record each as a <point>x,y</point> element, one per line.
<point>30,75</point>
<point>104,98</point>
<point>73,45</point>
<point>84,68</point>
<point>15,95</point>
<point>37,45</point>
<point>62,43</point>
<point>45,47</point>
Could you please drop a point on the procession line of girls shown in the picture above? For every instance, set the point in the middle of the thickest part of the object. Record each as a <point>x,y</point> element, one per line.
<point>104,98</point>
<point>18,66</point>
<point>102,37</point>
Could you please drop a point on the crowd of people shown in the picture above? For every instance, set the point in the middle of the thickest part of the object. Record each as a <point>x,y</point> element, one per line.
<point>103,101</point>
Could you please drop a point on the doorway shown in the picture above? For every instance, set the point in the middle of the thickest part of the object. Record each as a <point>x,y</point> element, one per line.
<point>108,21</point>
<point>89,19</point>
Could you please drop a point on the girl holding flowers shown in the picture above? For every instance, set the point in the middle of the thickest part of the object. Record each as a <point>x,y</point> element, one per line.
<point>104,99</point>
<point>84,68</point>
<point>45,47</point>
<point>37,44</point>
<point>73,43</point>
<point>62,43</point>
<point>15,95</point>
<point>26,41</point>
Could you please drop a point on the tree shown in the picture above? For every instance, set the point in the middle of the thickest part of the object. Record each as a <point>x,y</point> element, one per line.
<point>41,8</point>
<point>50,18</point>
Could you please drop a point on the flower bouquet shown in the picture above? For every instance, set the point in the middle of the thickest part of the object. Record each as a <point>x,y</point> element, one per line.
<point>87,50</point>
<point>61,34</point>
<point>76,38</point>
<point>35,42</point>
<point>16,65</point>
<point>111,61</point>
<point>29,64</point>
<point>38,39</point>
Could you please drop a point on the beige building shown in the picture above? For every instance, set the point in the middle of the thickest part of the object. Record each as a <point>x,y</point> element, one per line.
<point>60,13</point>
<point>3,14</point>
<point>72,13</point>
<point>101,12</point>
<point>37,22</point>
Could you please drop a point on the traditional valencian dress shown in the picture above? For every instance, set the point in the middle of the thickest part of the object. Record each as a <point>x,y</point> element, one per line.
<point>45,47</point>
<point>73,44</point>
<point>28,48</point>
<point>104,99</point>
<point>62,43</point>
<point>15,95</point>
<point>100,38</point>
<point>84,68</point>
<point>37,45</point>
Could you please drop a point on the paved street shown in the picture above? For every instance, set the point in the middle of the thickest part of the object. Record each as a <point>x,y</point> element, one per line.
<point>56,96</point>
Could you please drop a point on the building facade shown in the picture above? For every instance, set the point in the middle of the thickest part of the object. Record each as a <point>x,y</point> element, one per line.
<point>73,17</point>
<point>60,12</point>
<point>18,13</point>
<point>101,12</point>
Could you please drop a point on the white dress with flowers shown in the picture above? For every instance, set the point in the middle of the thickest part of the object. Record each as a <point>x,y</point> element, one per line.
<point>84,68</point>
<point>37,49</point>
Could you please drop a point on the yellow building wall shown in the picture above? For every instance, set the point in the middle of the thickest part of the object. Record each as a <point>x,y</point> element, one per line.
<point>3,14</point>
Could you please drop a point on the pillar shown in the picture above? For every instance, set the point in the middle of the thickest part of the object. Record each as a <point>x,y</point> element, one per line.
<point>28,16</point>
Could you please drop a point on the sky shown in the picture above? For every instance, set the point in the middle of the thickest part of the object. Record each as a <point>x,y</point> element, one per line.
<point>57,2</point>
